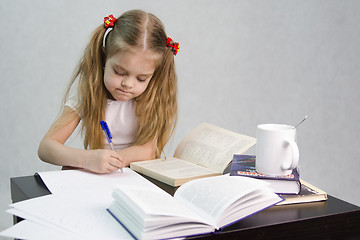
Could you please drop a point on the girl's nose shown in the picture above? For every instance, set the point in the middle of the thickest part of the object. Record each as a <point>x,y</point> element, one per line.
<point>127,83</point>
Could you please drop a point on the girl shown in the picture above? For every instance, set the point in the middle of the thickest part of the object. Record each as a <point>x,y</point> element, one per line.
<point>126,77</point>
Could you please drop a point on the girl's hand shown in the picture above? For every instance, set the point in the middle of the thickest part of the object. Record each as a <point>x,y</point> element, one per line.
<point>103,161</point>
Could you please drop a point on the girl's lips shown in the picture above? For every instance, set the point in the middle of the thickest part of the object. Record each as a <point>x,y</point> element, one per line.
<point>123,91</point>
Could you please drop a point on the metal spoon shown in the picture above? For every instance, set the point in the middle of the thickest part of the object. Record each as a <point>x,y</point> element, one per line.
<point>301,122</point>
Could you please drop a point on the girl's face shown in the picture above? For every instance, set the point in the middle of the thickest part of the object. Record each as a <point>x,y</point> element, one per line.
<point>127,74</point>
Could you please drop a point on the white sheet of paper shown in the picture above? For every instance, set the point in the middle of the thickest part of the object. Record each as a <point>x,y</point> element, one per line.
<point>37,220</point>
<point>29,230</point>
<point>85,216</point>
<point>65,182</point>
<point>78,203</point>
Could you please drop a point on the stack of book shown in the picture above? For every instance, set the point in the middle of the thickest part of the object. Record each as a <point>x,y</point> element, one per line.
<point>290,187</point>
<point>208,150</point>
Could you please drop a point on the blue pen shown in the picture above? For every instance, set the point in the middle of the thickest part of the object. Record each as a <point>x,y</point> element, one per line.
<point>107,132</point>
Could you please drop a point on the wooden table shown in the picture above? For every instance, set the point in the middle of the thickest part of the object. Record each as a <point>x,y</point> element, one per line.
<point>331,219</point>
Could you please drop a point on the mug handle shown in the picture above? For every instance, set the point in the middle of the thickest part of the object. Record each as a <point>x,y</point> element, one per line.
<point>295,155</point>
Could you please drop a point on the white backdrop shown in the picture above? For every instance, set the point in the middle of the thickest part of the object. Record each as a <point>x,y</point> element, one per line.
<point>242,63</point>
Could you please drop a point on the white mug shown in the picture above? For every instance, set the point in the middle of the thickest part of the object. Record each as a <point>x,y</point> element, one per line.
<point>276,150</point>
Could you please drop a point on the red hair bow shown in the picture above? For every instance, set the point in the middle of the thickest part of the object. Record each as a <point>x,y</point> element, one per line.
<point>109,21</point>
<point>175,45</point>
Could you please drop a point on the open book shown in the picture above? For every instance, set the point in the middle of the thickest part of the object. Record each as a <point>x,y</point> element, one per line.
<point>205,151</point>
<point>198,207</point>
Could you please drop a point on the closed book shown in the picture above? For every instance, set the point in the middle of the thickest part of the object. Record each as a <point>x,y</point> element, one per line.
<point>308,193</point>
<point>244,165</point>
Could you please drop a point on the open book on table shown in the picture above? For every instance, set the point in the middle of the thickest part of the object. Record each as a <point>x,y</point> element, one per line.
<point>198,207</point>
<point>205,151</point>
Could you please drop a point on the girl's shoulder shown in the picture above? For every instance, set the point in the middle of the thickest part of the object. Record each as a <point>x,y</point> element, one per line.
<point>72,102</point>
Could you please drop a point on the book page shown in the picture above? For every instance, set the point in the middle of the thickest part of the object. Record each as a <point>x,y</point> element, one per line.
<point>213,147</point>
<point>151,202</point>
<point>211,197</point>
<point>151,213</point>
<point>172,168</point>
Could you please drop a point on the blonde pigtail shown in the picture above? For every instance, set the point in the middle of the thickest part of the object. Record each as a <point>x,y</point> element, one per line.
<point>92,91</point>
<point>159,105</point>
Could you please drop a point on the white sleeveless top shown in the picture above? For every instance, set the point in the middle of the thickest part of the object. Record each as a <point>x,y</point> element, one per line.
<point>121,119</point>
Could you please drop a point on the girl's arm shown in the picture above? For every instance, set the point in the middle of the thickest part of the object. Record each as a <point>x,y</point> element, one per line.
<point>135,153</point>
<point>53,150</point>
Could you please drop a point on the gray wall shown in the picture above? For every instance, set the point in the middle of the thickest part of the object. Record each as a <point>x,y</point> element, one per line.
<point>241,63</point>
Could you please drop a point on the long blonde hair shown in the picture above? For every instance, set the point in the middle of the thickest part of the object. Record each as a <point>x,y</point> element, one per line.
<point>156,108</point>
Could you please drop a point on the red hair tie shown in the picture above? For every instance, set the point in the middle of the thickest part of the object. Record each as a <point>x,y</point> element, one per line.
<point>175,45</point>
<point>109,21</point>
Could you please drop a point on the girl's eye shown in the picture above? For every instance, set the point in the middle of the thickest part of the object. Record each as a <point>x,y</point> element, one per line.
<point>119,73</point>
<point>141,79</point>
